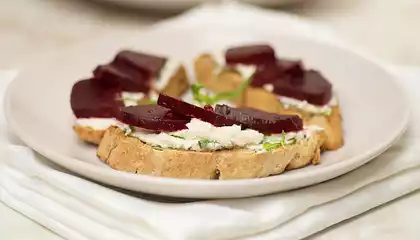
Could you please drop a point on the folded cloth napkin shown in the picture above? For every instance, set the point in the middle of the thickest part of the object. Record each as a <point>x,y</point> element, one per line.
<point>76,208</point>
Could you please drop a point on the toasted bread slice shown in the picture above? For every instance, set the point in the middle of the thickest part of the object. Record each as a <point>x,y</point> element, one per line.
<point>206,73</point>
<point>178,84</point>
<point>259,98</point>
<point>129,154</point>
<point>331,124</point>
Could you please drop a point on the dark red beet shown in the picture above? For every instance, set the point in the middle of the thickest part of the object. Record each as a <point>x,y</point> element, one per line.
<point>251,55</point>
<point>283,68</point>
<point>131,71</point>
<point>153,117</point>
<point>312,87</point>
<point>122,77</point>
<point>262,121</point>
<point>146,63</point>
<point>290,67</point>
<point>90,98</point>
<point>187,109</point>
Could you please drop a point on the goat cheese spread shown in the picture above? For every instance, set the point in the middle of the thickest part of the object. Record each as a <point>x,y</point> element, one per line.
<point>202,136</point>
<point>131,98</point>
<point>96,123</point>
<point>304,105</point>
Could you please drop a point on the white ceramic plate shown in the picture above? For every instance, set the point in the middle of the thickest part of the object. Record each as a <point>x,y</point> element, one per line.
<point>374,109</point>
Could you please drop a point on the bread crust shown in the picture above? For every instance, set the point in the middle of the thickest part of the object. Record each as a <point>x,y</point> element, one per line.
<point>261,99</point>
<point>88,134</point>
<point>129,154</point>
<point>178,84</point>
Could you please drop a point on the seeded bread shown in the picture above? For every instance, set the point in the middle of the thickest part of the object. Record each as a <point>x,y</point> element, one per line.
<point>178,84</point>
<point>129,154</point>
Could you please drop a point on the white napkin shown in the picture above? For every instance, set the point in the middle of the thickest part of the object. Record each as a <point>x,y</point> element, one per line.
<point>78,209</point>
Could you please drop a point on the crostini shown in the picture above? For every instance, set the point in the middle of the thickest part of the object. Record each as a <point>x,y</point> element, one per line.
<point>274,85</point>
<point>132,78</point>
<point>176,139</point>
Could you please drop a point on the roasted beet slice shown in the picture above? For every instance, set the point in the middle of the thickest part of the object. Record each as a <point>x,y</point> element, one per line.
<point>283,68</point>
<point>90,98</point>
<point>122,77</point>
<point>262,121</point>
<point>312,87</point>
<point>131,71</point>
<point>251,55</point>
<point>290,67</point>
<point>149,64</point>
<point>153,117</point>
<point>190,110</point>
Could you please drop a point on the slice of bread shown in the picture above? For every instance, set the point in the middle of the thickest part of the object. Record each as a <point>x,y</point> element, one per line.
<point>129,154</point>
<point>259,98</point>
<point>207,74</point>
<point>177,85</point>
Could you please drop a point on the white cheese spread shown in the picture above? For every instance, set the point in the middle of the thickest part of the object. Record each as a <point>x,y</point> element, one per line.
<point>311,108</point>
<point>202,136</point>
<point>96,123</point>
<point>131,98</point>
<point>168,70</point>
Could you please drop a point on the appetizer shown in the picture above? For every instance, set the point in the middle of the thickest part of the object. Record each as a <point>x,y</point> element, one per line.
<point>274,85</point>
<point>176,139</point>
<point>131,78</point>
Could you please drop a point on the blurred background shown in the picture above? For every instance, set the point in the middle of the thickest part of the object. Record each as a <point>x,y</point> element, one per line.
<point>28,28</point>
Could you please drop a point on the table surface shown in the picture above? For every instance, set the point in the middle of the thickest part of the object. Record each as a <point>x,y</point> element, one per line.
<point>384,28</point>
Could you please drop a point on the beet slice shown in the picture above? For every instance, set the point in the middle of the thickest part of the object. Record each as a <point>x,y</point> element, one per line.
<point>146,63</point>
<point>131,71</point>
<point>250,55</point>
<point>190,110</point>
<point>262,121</point>
<point>290,67</point>
<point>311,87</point>
<point>90,98</point>
<point>122,77</point>
<point>283,68</point>
<point>153,117</point>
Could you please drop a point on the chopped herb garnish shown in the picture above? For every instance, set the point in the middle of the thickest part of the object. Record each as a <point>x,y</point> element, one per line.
<point>203,143</point>
<point>205,99</point>
<point>151,101</point>
<point>181,137</point>
<point>327,112</point>
<point>159,148</point>
<point>270,146</point>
